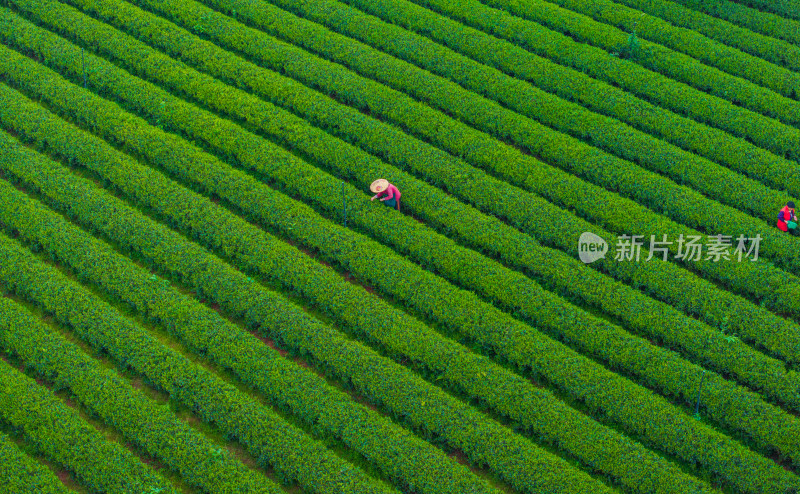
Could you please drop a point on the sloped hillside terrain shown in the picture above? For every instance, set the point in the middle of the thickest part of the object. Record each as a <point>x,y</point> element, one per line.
<point>584,289</point>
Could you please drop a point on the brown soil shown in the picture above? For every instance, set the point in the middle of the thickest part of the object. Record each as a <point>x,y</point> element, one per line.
<point>352,280</point>
<point>460,457</point>
<point>190,418</point>
<point>270,343</point>
<point>151,461</point>
<point>64,476</point>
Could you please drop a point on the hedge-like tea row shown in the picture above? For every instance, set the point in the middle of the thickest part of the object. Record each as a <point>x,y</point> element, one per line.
<point>21,474</point>
<point>414,236</point>
<point>770,49</point>
<point>694,295</point>
<point>761,22</point>
<point>215,400</point>
<point>245,141</point>
<point>520,462</point>
<point>679,202</point>
<point>677,66</point>
<point>547,357</point>
<point>608,134</point>
<point>595,62</point>
<point>711,104</point>
<point>153,427</point>
<point>603,98</point>
<point>687,206</point>
<point>780,138</point>
<point>265,434</point>
<point>489,279</point>
<point>785,8</point>
<point>604,132</point>
<point>58,431</point>
<point>394,146</point>
<point>664,37</point>
<point>537,411</point>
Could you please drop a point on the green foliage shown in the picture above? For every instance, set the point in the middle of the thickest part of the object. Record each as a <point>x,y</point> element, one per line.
<point>268,437</point>
<point>606,133</point>
<point>245,298</point>
<point>528,212</point>
<point>22,475</point>
<point>768,96</point>
<point>726,31</point>
<point>400,454</point>
<point>430,251</point>
<point>663,37</point>
<point>384,227</point>
<point>786,8</point>
<point>666,281</point>
<point>553,354</point>
<point>631,49</point>
<point>58,431</point>
<point>507,393</point>
<point>154,428</point>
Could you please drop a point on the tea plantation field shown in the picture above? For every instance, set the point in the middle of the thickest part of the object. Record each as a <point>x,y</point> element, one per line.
<point>199,296</point>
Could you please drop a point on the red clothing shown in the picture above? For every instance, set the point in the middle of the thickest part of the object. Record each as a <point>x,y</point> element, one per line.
<point>784,215</point>
<point>391,192</point>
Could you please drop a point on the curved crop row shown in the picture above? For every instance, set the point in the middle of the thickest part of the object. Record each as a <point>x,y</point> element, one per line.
<point>154,428</point>
<point>785,8</point>
<point>60,433</point>
<point>687,205</point>
<point>245,354</point>
<point>398,148</point>
<point>478,431</point>
<point>665,37</point>
<point>549,111</point>
<point>20,474</point>
<point>709,346</point>
<point>53,292</point>
<point>765,23</point>
<point>481,438</point>
<point>606,99</point>
<point>268,437</point>
<point>534,114</point>
<point>506,393</point>
<point>680,202</point>
<point>532,409</point>
<point>696,295</point>
<point>677,66</point>
<point>555,46</point>
<point>491,279</point>
<point>770,49</point>
<point>549,356</point>
<point>242,138</point>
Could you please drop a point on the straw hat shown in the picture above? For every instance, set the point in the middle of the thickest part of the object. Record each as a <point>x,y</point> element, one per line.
<point>379,185</point>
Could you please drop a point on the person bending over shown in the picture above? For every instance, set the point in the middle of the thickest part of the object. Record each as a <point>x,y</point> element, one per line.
<point>388,194</point>
<point>787,220</point>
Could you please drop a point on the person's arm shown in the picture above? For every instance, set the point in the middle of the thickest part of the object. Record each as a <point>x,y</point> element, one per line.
<point>389,194</point>
<point>781,216</point>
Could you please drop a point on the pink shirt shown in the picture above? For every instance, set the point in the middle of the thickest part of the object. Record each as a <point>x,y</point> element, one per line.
<point>391,192</point>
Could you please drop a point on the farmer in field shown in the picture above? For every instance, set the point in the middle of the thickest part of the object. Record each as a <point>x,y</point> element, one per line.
<point>787,220</point>
<point>386,192</point>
